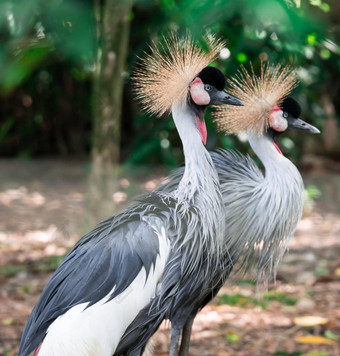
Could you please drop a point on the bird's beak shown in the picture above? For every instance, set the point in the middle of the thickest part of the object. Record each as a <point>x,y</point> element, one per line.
<point>221,97</point>
<point>300,125</point>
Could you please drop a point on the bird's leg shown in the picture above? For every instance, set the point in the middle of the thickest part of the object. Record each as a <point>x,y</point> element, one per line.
<point>175,333</point>
<point>185,342</point>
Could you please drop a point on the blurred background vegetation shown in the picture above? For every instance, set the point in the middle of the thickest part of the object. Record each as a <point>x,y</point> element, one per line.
<point>55,57</point>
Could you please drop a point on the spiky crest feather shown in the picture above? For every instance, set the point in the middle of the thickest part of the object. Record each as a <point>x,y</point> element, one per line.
<point>164,76</point>
<point>259,94</point>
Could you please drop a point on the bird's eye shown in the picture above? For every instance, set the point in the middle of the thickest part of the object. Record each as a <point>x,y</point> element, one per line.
<point>207,87</point>
<point>285,115</point>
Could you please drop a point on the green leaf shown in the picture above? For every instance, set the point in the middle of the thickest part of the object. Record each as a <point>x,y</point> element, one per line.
<point>331,335</point>
<point>281,297</point>
<point>242,57</point>
<point>5,127</point>
<point>325,53</point>
<point>10,270</point>
<point>232,337</point>
<point>321,271</point>
<point>311,39</point>
<point>20,67</point>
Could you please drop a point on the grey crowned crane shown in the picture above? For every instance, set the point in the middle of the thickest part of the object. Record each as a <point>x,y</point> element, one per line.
<point>261,210</point>
<point>147,263</point>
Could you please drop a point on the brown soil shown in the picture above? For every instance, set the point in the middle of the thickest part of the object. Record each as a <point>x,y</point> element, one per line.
<point>42,205</point>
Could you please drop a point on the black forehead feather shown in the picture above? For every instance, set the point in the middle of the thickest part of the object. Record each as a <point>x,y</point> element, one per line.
<point>291,106</point>
<point>212,76</point>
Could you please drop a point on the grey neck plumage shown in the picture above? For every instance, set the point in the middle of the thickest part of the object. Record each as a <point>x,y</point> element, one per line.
<point>272,160</point>
<point>199,188</point>
<point>272,208</point>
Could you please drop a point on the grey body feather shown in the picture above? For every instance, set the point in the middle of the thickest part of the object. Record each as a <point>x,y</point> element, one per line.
<point>261,210</point>
<point>112,254</point>
<point>115,251</point>
<point>261,214</point>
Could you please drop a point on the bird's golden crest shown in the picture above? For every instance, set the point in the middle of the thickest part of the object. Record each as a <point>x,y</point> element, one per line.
<point>259,94</point>
<point>164,76</point>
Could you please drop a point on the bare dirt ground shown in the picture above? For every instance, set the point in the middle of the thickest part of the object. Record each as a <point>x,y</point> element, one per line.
<point>42,206</point>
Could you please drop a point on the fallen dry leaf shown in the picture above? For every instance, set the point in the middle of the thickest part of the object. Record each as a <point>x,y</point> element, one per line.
<point>310,320</point>
<point>314,339</point>
<point>7,321</point>
<point>223,353</point>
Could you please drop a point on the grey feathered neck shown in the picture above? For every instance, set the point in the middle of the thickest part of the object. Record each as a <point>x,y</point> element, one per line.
<point>264,210</point>
<point>199,186</point>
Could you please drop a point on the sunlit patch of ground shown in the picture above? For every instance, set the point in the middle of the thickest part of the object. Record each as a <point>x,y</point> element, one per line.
<point>42,205</point>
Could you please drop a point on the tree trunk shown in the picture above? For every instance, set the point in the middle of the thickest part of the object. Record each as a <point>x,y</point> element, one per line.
<point>330,125</point>
<point>112,36</point>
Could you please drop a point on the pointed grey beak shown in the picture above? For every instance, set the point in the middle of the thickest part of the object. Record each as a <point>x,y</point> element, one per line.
<point>222,97</point>
<point>231,100</point>
<point>298,124</point>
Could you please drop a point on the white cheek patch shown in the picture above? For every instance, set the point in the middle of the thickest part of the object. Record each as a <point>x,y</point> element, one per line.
<point>277,121</point>
<point>198,94</point>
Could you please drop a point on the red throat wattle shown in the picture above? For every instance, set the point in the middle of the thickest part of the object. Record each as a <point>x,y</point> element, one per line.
<point>202,128</point>
<point>277,147</point>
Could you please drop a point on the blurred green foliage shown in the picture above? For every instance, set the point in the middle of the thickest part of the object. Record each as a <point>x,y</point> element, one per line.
<point>248,301</point>
<point>47,59</point>
<point>301,353</point>
<point>47,264</point>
